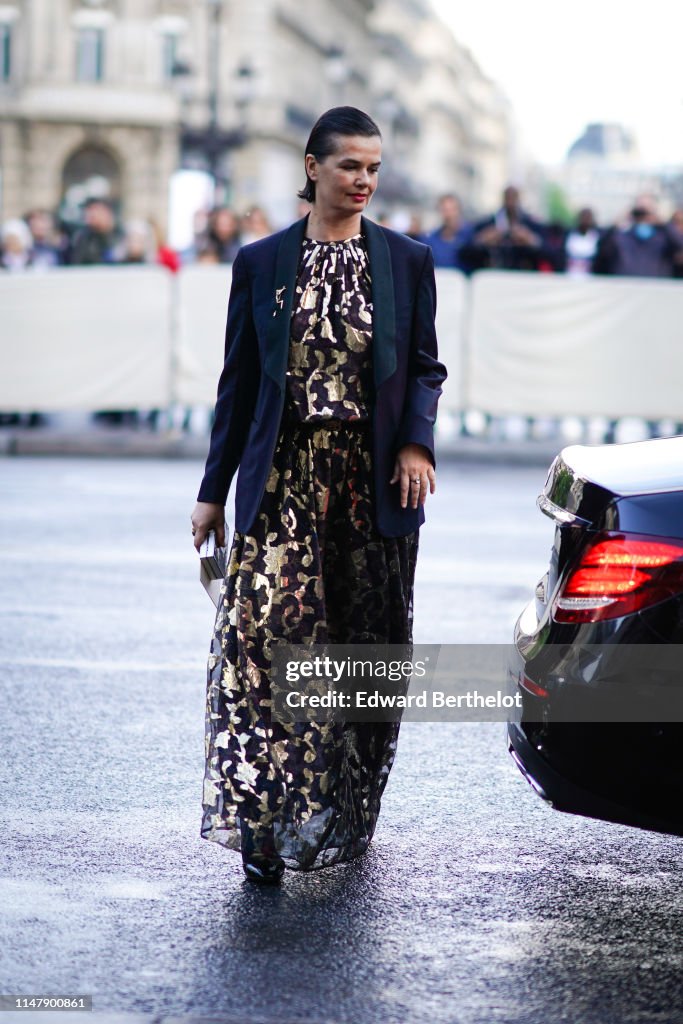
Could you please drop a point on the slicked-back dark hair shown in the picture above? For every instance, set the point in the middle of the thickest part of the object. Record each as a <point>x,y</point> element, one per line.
<point>322,140</point>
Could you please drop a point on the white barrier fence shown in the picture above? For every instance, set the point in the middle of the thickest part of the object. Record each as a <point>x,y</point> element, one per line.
<point>202,312</point>
<point>514,344</point>
<point>549,345</point>
<point>84,339</point>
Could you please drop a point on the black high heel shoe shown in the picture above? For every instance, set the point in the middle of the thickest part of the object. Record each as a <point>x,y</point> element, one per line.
<point>260,862</point>
<point>264,871</point>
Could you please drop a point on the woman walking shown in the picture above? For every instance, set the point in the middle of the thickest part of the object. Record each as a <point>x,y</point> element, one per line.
<point>326,403</point>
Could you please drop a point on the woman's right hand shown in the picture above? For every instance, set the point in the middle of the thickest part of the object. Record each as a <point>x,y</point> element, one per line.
<point>205,517</point>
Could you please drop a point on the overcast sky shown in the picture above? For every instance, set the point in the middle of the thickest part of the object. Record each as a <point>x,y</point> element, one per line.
<point>565,64</point>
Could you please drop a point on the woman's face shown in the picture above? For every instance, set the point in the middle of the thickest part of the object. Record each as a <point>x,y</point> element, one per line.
<point>346,179</point>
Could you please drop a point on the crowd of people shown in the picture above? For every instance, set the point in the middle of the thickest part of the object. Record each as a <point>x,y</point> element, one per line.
<point>39,241</point>
<point>642,245</point>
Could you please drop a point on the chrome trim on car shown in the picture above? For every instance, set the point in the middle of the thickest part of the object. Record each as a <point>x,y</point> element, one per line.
<point>529,778</point>
<point>558,514</point>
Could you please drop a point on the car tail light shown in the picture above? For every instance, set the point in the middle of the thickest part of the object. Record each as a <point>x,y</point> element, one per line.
<point>532,687</point>
<point>619,574</point>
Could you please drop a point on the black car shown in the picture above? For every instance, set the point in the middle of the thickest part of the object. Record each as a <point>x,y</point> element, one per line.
<point>595,656</point>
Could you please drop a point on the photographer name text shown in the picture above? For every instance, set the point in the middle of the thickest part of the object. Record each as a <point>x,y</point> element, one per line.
<point>424,699</point>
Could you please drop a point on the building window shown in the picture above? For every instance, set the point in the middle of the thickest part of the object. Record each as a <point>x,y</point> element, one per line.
<point>169,41</point>
<point>90,54</point>
<point>5,52</point>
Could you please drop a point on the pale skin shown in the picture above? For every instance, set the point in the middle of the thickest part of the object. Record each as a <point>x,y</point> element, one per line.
<point>344,184</point>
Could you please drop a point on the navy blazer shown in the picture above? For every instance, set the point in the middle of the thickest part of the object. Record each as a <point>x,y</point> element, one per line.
<point>251,388</point>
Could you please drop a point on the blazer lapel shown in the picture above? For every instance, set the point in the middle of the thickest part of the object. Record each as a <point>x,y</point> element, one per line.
<point>383,309</point>
<point>286,266</point>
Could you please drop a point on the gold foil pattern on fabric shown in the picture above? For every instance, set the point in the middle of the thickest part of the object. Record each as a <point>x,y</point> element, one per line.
<point>329,373</point>
<point>314,569</point>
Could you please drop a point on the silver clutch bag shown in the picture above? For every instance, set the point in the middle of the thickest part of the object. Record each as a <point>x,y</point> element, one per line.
<point>213,563</point>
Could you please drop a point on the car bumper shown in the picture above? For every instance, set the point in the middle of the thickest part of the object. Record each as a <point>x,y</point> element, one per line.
<point>566,795</point>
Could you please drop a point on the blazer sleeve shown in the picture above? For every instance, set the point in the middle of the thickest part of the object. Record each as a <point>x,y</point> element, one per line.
<point>425,373</point>
<point>237,390</point>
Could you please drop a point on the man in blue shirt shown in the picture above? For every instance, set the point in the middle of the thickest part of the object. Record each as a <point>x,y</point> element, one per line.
<point>447,240</point>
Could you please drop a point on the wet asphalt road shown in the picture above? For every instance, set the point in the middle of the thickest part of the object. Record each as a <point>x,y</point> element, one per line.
<point>476,903</point>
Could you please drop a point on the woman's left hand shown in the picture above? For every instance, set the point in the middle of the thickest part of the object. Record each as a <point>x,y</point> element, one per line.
<point>414,469</point>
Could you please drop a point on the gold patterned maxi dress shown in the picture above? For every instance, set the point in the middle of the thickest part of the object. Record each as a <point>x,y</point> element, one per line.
<point>313,569</point>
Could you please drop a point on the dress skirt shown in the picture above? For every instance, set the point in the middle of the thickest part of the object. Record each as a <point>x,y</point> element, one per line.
<point>314,569</point>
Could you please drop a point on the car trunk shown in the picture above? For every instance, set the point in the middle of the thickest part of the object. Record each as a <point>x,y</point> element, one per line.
<point>616,770</point>
<point>630,488</point>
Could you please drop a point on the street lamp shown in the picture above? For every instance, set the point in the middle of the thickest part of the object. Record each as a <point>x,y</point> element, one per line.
<point>216,9</point>
<point>212,141</point>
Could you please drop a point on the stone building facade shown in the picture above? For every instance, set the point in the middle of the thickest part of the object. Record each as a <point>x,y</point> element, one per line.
<point>284,62</point>
<point>84,107</point>
<point>112,96</point>
<point>604,170</point>
<point>462,136</point>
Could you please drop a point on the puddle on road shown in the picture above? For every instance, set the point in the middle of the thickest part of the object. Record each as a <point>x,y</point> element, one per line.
<point>131,889</point>
<point>36,898</point>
